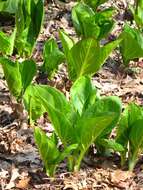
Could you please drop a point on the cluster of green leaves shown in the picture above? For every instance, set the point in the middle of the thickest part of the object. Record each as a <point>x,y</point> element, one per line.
<point>90,23</point>
<point>52,57</point>
<point>28,21</point>
<point>132,43</point>
<point>137,11</point>
<point>84,57</point>
<point>77,122</point>
<point>130,134</point>
<point>86,118</point>
<point>94,3</point>
<point>18,75</point>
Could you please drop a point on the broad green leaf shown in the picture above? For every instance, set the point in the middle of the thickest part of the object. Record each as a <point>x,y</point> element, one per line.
<point>82,56</point>
<point>86,57</point>
<point>136,135</point>
<point>67,44</point>
<point>90,126</point>
<point>123,129</point>
<point>137,11</point>
<point>48,150</point>
<point>131,114</point>
<point>136,142</point>
<point>7,43</point>
<point>58,108</point>
<point>29,17</point>
<point>33,104</point>
<point>12,76</point>
<point>83,94</point>
<point>89,24</point>
<point>94,121</point>
<point>131,45</point>
<point>127,133</point>
<point>61,119</point>
<point>83,17</point>
<point>37,15</point>
<point>52,57</point>
<point>26,73</point>
<point>2,5</point>
<point>18,75</point>
<point>111,144</point>
<point>109,104</point>
<point>94,3</point>
<point>105,22</point>
<point>9,6</point>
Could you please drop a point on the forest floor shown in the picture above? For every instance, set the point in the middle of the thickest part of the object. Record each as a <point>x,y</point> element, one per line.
<point>20,164</point>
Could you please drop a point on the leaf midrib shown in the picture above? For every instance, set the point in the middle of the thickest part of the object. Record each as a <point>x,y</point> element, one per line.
<point>85,60</point>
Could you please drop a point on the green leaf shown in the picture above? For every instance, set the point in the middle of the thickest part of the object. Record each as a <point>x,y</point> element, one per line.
<point>58,108</point>
<point>88,128</point>
<point>137,11</point>
<point>111,144</point>
<point>67,151</point>
<point>82,56</point>
<point>123,129</point>
<point>18,75</point>
<point>48,150</point>
<point>129,116</point>
<point>33,106</point>
<point>67,44</point>
<point>7,43</point>
<point>105,22</point>
<point>136,142</point>
<point>26,73</point>
<point>89,24</point>
<point>83,94</point>
<point>12,76</point>
<point>83,18</point>
<point>131,45</point>
<point>9,6</point>
<point>29,17</point>
<point>94,3</point>
<point>94,122</point>
<point>86,57</point>
<point>52,57</point>
<point>60,115</point>
<point>109,104</point>
<point>128,132</point>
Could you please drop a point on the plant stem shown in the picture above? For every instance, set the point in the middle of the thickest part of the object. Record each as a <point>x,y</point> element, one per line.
<point>132,161</point>
<point>78,163</point>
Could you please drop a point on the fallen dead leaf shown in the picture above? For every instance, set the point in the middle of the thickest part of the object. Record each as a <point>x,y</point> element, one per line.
<point>23,183</point>
<point>119,176</point>
<point>14,175</point>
